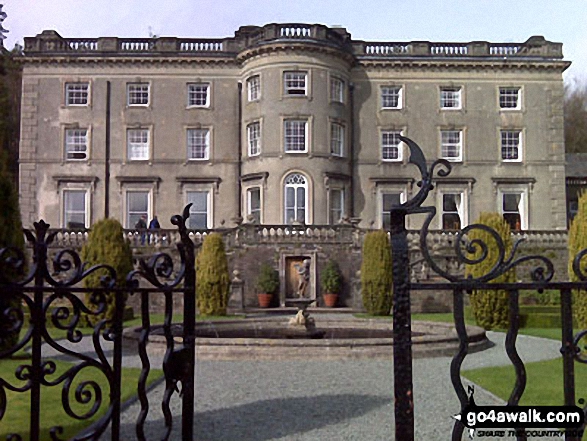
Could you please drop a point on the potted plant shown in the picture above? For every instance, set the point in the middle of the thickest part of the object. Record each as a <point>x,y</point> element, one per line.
<point>331,282</point>
<point>267,285</point>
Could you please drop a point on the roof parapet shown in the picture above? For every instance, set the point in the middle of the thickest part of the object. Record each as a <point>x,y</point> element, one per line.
<point>50,43</point>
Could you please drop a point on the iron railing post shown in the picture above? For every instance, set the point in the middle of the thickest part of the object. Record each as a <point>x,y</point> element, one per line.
<point>189,338</point>
<point>38,323</point>
<point>402,330</point>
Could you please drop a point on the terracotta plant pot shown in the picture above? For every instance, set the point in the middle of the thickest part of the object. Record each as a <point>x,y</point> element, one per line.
<point>330,300</point>
<point>264,300</point>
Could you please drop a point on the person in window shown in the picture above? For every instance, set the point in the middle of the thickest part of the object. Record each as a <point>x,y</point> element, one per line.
<point>141,225</point>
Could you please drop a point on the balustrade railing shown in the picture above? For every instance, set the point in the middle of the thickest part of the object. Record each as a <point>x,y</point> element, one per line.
<point>51,42</point>
<point>251,234</point>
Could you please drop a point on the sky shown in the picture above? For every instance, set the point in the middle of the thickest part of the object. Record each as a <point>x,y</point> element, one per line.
<point>499,21</point>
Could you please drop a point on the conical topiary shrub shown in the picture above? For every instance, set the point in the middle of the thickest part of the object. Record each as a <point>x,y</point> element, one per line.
<point>106,245</point>
<point>577,243</point>
<point>11,235</point>
<point>376,273</point>
<point>212,278</point>
<point>491,307</point>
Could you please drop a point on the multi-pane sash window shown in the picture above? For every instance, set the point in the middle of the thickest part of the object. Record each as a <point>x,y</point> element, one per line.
<point>254,138</point>
<point>388,200</point>
<point>137,144</point>
<point>137,207</point>
<point>294,83</point>
<point>451,145</point>
<point>511,209</point>
<point>336,90</point>
<point>77,94</point>
<point>199,95</point>
<point>450,98</point>
<point>295,135</point>
<point>199,210</point>
<point>74,209</point>
<point>198,143</point>
<point>337,139</point>
<point>76,144</point>
<point>391,145</point>
<point>336,205</point>
<point>509,98</point>
<point>254,88</point>
<point>391,97</point>
<point>295,198</point>
<point>452,208</point>
<point>254,204</point>
<point>137,94</point>
<point>511,145</point>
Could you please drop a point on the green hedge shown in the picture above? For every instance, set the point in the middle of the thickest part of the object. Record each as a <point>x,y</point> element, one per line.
<point>490,307</point>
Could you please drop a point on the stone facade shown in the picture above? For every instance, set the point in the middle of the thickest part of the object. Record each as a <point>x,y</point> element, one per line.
<point>288,122</point>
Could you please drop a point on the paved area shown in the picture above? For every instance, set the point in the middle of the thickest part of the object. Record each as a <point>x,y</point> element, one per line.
<point>250,400</point>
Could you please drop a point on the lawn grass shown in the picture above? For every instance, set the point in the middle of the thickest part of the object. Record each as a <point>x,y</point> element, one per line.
<point>544,382</point>
<point>17,417</point>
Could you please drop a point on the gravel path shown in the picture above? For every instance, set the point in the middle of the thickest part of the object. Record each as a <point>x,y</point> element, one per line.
<point>251,400</point>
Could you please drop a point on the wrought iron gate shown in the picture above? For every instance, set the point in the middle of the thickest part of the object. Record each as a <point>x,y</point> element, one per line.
<point>52,280</point>
<point>50,284</point>
<point>470,252</point>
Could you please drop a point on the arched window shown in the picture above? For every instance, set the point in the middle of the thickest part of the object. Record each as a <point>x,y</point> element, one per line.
<point>296,195</point>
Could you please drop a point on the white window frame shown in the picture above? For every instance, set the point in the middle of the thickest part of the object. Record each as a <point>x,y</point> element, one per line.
<point>392,93</point>
<point>127,213</point>
<point>135,98</point>
<point>451,94</point>
<point>331,210</point>
<point>209,193</point>
<point>190,147</point>
<point>522,205</point>
<point>134,145</point>
<point>336,90</point>
<point>71,144</point>
<point>380,196</point>
<point>64,211</point>
<point>254,138</point>
<point>254,88</point>
<point>194,93</point>
<point>337,139</point>
<point>388,147</point>
<point>519,146</point>
<point>295,186</point>
<point>76,91</point>
<point>291,80</point>
<point>462,207</point>
<point>446,144</point>
<point>287,128</point>
<point>505,93</point>
<point>250,210</point>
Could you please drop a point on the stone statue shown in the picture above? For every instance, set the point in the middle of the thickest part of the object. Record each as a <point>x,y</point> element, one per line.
<point>303,277</point>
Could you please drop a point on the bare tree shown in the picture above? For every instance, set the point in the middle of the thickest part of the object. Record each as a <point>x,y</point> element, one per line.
<point>575,108</point>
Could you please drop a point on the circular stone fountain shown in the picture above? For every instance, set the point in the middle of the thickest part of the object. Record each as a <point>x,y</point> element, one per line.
<point>276,337</point>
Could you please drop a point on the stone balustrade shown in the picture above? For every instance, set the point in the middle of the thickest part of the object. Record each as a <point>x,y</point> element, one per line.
<point>252,234</point>
<point>49,43</point>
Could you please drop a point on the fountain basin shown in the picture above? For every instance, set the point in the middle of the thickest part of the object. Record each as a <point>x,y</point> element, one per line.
<point>348,338</point>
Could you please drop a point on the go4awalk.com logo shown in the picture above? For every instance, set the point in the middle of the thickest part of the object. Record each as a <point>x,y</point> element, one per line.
<point>511,419</point>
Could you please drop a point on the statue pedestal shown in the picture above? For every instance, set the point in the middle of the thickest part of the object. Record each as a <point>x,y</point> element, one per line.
<point>302,325</point>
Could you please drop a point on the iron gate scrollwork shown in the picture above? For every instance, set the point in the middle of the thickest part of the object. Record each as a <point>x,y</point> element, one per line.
<point>471,251</point>
<point>50,294</point>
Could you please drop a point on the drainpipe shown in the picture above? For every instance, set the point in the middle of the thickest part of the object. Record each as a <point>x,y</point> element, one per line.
<point>351,212</point>
<point>239,150</point>
<point>107,156</point>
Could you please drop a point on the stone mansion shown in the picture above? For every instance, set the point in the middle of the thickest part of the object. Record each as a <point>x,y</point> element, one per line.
<point>288,123</point>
